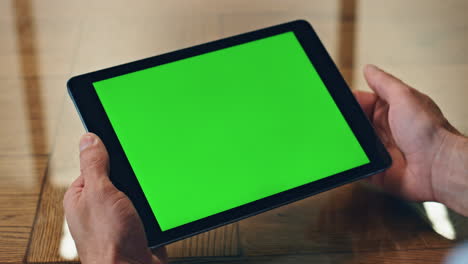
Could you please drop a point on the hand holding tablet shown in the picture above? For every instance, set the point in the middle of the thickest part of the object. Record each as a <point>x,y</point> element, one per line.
<point>207,135</point>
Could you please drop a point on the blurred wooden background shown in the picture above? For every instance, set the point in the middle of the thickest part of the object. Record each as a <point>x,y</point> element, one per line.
<point>44,42</point>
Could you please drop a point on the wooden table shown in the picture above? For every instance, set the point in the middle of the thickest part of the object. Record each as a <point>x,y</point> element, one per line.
<point>44,42</point>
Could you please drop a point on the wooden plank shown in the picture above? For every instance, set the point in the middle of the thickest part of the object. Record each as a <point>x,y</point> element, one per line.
<point>47,230</point>
<point>20,175</point>
<point>28,128</point>
<point>36,46</point>
<point>13,243</point>
<point>351,219</point>
<point>346,35</point>
<point>16,219</point>
<point>98,50</point>
<point>17,209</point>
<point>20,182</point>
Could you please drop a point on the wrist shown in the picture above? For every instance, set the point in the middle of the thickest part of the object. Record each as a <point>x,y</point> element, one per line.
<point>449,171</point>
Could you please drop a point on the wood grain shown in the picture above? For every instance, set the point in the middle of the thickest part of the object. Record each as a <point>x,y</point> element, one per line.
<point>13,243</point>
<point>48,226</point>
<point>20,175</point>
<point>18,209</point>
<point>43,42</point>
<point>16,220</point>
<point>347,38</point>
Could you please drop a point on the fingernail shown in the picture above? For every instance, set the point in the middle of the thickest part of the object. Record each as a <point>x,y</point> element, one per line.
<point>86,141</point>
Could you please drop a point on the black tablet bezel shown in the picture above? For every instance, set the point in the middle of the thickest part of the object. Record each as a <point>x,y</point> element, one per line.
<point>95,120</point>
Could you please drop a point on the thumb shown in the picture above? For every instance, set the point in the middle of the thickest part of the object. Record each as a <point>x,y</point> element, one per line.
<point>94,160</point>
<point>386,86</point>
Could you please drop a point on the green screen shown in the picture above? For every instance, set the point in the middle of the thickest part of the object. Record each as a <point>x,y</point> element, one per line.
<point>218,130</point>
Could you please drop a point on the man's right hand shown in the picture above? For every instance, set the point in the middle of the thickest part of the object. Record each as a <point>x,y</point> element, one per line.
<point>430,157</point>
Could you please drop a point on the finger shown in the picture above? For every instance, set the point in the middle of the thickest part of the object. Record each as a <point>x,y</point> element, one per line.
<point>367,101</point>
<point>94,160</point>
<point>386,86</point>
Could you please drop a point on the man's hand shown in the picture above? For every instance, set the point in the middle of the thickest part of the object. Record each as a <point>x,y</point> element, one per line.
<point>419,139</point>
<point>102,220</point>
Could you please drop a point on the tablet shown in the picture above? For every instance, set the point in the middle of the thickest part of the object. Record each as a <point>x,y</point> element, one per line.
<point>214,133</point>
